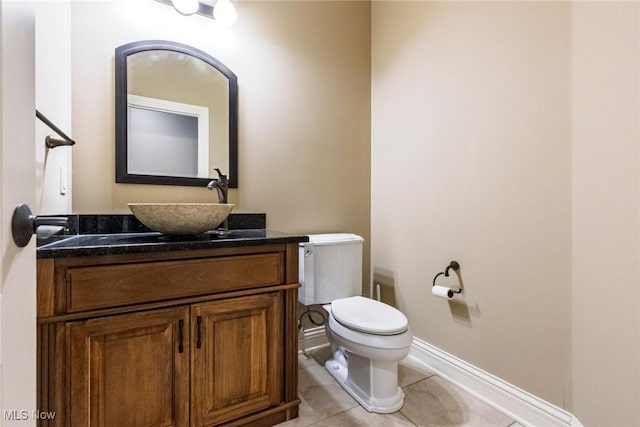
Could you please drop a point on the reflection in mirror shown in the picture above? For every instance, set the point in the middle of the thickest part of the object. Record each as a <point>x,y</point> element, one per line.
<point>168,138</point>
<point>176,115</point>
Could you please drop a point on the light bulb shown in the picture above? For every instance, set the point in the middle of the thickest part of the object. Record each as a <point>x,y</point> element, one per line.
<point>225,12</point>
<point>186,7</point>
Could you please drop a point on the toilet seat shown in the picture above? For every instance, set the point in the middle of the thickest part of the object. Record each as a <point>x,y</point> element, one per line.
<point>369,316</point>
<point>363,343</point>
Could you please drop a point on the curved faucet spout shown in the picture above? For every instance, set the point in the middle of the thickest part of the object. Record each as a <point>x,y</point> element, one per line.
<point>222,196</point>
<point>221,185</point>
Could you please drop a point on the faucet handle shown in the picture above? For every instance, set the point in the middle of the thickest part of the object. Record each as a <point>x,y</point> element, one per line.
<point>222,177</point>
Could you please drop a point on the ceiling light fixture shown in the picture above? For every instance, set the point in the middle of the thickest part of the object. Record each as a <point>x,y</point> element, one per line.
<point>225,12</point>
<point>186,7</point>
<point>222,11</point>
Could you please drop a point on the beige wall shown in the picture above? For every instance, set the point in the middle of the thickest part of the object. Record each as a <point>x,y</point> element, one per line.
<point>471,160</point>
<point>511,131</point>
<point>304,129</point>
<point>53,99</point>
<point>606,276</point>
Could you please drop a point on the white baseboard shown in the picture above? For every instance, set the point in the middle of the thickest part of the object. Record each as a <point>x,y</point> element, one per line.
<point>312,338</point>
<point>520,405</point>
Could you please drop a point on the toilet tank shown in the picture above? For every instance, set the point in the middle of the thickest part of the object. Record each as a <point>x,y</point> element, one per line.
<point>330,267</point>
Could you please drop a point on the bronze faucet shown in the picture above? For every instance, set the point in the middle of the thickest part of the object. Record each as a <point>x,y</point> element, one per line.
<point>221,185</point>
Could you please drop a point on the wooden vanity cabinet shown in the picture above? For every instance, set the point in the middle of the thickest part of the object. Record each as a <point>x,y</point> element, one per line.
<point>219,350</point>
<point>128,370</point>
<point>236,359</point>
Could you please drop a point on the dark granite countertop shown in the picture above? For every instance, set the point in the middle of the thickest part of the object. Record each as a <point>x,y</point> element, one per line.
<point>129,243</point>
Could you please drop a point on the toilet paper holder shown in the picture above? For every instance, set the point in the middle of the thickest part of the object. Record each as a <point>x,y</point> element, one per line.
<point>455,266</point>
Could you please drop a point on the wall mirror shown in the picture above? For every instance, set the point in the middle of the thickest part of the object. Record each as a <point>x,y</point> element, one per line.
<point>176,115</point>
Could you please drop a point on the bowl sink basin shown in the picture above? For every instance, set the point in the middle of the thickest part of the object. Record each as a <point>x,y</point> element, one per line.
<point>181,218</point>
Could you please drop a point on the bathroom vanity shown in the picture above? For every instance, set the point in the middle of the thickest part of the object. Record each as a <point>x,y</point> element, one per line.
<point>144,329</point>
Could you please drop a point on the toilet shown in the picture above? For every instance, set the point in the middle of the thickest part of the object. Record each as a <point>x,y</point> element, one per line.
<point>367,337</point>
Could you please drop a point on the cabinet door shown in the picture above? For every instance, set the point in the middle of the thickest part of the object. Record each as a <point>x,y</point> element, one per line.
<point>236,357</point>
<point>130,370</point>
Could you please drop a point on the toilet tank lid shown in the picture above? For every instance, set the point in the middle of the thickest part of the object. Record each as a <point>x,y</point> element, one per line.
<point>332,239</point>
<point>369,316</point>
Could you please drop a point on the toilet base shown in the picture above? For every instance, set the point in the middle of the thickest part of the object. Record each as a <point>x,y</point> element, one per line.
<point>391,402</point>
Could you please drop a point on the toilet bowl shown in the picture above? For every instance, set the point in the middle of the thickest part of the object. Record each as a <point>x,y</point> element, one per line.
<point>367,340</point>
<point>367,337</point>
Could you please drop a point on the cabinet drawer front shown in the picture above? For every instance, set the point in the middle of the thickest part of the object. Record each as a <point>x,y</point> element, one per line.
<point>116,285</point>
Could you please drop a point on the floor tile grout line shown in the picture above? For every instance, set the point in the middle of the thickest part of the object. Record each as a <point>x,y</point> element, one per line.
<point>461,389</point>
<point>334,415</point>
<point>356,403</point>
<point>405,415</point>
<point>429,375</point>
<point>409,418</point>
<point>464,392</point>
<point>416,382</point>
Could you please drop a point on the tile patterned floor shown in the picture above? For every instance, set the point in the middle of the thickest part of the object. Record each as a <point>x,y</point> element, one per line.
<point>429,400</point>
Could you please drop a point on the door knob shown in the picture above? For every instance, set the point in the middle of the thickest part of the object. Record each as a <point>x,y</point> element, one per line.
<point>24,224</point>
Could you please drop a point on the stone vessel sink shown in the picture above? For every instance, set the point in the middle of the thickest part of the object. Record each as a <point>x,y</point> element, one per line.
<point>181,218</point>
